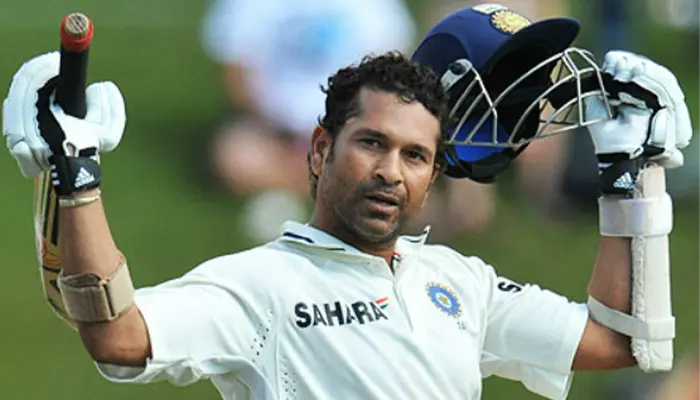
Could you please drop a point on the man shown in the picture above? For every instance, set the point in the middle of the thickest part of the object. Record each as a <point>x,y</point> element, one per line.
<point>343,307</point>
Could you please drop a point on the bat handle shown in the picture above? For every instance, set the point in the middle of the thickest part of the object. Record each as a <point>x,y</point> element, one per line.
<point>70,92</point>
<point>76,36</point>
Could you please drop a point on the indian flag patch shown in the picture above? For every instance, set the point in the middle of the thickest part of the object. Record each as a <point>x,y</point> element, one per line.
<point>383,302</point>
<point>488,8</point>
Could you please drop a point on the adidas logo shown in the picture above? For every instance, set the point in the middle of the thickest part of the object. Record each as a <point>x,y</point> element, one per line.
<point>84,178</point>
<point>624,182</point>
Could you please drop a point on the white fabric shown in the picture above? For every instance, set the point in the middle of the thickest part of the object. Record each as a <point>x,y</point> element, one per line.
<point>309,317</point>
<point>292,49</point>
<point>102,127</point>
<point>660,329</point>
<point>634,126</point>
<point>651,280</point>
<point>635,217</point>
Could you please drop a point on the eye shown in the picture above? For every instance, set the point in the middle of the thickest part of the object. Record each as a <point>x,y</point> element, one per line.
<point>371,142</point>
<point>416,155</point>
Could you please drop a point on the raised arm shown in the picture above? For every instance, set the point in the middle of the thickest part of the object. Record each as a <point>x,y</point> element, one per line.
<point>61,152</point>
<point>221,303</point>
<point>88,248</point>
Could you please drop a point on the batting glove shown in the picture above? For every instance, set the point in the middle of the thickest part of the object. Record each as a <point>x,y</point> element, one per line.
<point>650,121</point>
<point>41,136</point>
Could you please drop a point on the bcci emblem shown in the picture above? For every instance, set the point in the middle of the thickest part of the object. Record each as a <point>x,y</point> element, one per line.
<point>508,21</point>
<point>444,298</point>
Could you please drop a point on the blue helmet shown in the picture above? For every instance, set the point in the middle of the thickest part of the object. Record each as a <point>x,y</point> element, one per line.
<point>510,81</point>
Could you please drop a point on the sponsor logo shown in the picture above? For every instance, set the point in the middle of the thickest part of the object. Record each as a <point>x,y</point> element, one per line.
<point>338,313</point>
<point>84,178</point>
<point>624,182</point>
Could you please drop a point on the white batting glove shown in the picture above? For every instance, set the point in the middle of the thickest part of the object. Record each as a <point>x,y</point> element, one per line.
<point>651,120</point>
<point>31,119</point>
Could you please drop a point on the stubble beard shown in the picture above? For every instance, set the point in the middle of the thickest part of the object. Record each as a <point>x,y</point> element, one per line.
<point>368,228</point>
<point>363,226</point>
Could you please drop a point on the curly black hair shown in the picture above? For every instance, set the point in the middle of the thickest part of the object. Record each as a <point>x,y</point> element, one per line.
<point>389,72</point>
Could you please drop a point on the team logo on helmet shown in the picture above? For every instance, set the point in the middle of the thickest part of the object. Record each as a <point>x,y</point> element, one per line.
<point>444,298</point>
<point>508,21</point>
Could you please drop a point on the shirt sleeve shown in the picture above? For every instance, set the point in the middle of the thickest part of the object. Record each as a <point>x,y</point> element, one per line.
<point>532,336</point>
<point>200,328</point>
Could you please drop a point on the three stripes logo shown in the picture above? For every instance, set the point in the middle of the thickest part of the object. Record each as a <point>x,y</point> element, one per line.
<point>625,181</point>
<point>84,178</point>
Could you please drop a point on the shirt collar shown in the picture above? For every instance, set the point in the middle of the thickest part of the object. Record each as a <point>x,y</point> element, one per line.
<point>310,236</point>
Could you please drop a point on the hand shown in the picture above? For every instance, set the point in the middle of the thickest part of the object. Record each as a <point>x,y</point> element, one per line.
<point>637,129</point>
<point>650,122</point>
<point>31,120</point>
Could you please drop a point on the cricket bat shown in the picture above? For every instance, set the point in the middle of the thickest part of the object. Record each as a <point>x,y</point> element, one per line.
<point>651,280</point>
<point>76,34</point>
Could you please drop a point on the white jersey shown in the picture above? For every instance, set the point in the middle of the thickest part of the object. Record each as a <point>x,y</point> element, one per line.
<point>309,317</point>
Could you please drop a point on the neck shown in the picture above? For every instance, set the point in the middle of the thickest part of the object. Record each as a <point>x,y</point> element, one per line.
<point>348,235</point>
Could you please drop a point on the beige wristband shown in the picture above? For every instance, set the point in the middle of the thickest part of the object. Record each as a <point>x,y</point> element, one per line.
<point>69,202</point>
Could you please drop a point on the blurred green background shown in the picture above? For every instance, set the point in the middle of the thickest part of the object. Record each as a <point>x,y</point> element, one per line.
<point>167,223</point>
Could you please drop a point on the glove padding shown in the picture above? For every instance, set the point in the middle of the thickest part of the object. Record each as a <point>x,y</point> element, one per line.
<point>30,117</point>
<point>638,129</point>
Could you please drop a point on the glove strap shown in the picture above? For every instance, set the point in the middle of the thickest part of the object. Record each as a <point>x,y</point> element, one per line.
<point>620,177</point>
<point>70,175</point>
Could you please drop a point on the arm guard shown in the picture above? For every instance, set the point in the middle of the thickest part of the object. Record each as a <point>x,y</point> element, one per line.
<point>647,218</point>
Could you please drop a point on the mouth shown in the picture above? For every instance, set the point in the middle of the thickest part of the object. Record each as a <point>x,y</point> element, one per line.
<point>383,200</point>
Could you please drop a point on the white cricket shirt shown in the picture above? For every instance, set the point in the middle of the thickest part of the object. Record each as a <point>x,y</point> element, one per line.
<point>309,317</point>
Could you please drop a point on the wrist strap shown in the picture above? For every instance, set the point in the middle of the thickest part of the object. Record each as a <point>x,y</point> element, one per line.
<point>70,175</point>
<point>71,202</point>
<point>620,176</point>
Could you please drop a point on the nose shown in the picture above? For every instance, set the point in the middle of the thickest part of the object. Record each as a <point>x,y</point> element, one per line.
<point>389,169</point>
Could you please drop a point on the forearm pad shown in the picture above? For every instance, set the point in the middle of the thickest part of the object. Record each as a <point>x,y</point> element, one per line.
<point>646,218</point>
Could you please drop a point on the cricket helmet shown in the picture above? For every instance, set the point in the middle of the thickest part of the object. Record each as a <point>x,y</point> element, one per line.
<point>510,81</point>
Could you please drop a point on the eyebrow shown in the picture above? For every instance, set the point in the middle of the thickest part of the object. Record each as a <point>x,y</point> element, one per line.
<point>373,133</point>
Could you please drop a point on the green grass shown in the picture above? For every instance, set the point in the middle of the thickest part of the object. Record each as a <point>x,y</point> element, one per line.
<point>166,223</point>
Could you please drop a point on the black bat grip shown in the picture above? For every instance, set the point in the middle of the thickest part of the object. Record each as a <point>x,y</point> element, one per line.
<point>72,81</point>
<point>76,36</point>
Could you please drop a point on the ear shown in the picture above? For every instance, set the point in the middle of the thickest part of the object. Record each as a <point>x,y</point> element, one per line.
<point>320,146</point>
<point>433,177</point>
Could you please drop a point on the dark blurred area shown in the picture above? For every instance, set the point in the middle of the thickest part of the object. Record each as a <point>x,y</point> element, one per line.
<point>222,97</point>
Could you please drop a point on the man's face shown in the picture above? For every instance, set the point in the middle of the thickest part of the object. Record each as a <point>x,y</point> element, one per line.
<point>377,173</point>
